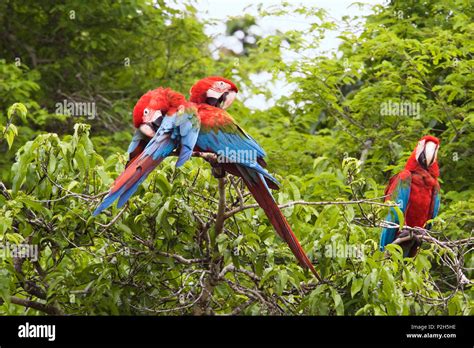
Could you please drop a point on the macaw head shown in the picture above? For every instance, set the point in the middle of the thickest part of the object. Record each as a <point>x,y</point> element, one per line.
<point>214,90</point>
<point>426,152</point>
<point>152,106</point>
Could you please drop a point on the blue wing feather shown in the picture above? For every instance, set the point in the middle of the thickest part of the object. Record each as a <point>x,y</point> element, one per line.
<point>160,146</point>
<point>137,137</point>
<point>188,128</point>
<point>401,195</point>
<point>234,148</point>
<point>436,200</point>
<point>108,200</point>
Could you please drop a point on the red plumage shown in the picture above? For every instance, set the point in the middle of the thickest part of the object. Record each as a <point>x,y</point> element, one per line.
<point>217,119</point>
<point>423,182</point>
<point>164,99</point>
<point>211,116</point>
<point>198,90</point>
<point>424,187</point>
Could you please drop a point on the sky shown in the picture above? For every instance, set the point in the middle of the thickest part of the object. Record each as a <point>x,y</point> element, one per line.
<point>220,10</point>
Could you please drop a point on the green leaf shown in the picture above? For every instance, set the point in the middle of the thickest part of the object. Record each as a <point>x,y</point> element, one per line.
<point>356,286</point>
<point>400,216</point>
<point>5,285</point>
<point>10,135</point>
<point>17,109</point>
<point>339,305</point>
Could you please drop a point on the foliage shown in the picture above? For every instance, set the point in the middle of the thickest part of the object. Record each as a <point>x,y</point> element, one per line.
<point>328,142</point>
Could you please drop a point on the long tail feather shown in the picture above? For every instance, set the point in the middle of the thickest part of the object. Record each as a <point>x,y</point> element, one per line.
<point>257,185</point>
<point>127,183</point>
<point>137,171</point>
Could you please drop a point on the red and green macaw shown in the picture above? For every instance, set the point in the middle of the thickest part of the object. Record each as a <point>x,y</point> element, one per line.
<point>416,190</point>
<point>148,114</point>
<point>165,122</point>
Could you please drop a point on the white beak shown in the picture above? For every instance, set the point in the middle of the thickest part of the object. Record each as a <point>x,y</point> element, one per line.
<point>229,99</point>
<point>430,152</point>
<point>213,94</point>
<point>147,130</point>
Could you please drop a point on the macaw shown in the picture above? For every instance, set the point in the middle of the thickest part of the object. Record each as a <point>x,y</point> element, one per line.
<point>240,154</point>
<point>165,122</point>
<point>147,116</point>
<point>416,191</point>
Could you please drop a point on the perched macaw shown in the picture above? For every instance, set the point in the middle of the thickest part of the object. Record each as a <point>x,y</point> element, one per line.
<point>240,154</point>
<point>163,124</point>
<point>147,116</point>
<point>416,190</point>
<point>200,125</point>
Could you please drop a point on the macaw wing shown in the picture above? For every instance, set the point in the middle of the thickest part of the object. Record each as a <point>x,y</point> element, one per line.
<point>187,127</point>
<point>435,203</point>
<point>221,135</point>
<point>242,156</point>
<point>137,145</point>
<point>173,130</point>
<point>398,191</point>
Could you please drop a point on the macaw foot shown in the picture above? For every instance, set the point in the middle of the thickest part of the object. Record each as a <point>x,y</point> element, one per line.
<point>406,235</point>
<point>410,241</point>
<point>207,156</point>
<point>218,172</point>
<point>409,234</point>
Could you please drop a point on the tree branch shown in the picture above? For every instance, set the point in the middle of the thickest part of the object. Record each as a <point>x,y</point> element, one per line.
<point>422,234</point>
<point>48,309</point>
<point>221,216</point>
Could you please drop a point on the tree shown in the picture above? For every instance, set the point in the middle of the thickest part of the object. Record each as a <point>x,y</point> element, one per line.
<point>188,243</point>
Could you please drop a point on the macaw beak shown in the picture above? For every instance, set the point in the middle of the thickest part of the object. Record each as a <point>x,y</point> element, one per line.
<point>151,124</point>
<point>229,99</point>
<point>146,129</point>
<point>428,156</point>
<point>431,149</point>
<point>220,100</point>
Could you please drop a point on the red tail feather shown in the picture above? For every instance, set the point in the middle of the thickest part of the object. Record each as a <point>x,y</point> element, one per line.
<point>264,198</point>
<point>134,171</point>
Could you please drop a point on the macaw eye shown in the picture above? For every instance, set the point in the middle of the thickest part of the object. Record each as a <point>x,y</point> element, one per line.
<point>146,112</point>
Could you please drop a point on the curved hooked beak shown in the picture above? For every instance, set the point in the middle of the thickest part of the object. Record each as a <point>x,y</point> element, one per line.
<point>220,100</point>
<point>151,124</point>
<point>229,99</point>
<point>428,156</point>
<point>431,149</point>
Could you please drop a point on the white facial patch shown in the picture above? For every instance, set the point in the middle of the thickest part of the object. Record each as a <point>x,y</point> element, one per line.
<point>420,148</point>
<point>150,115</point>
<point>213,94</point>
<point>220,87</point>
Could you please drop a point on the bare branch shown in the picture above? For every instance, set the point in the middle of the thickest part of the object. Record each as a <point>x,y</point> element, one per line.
<point>221,216</point>
<point>180,258</point>
<point>48,309</point>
